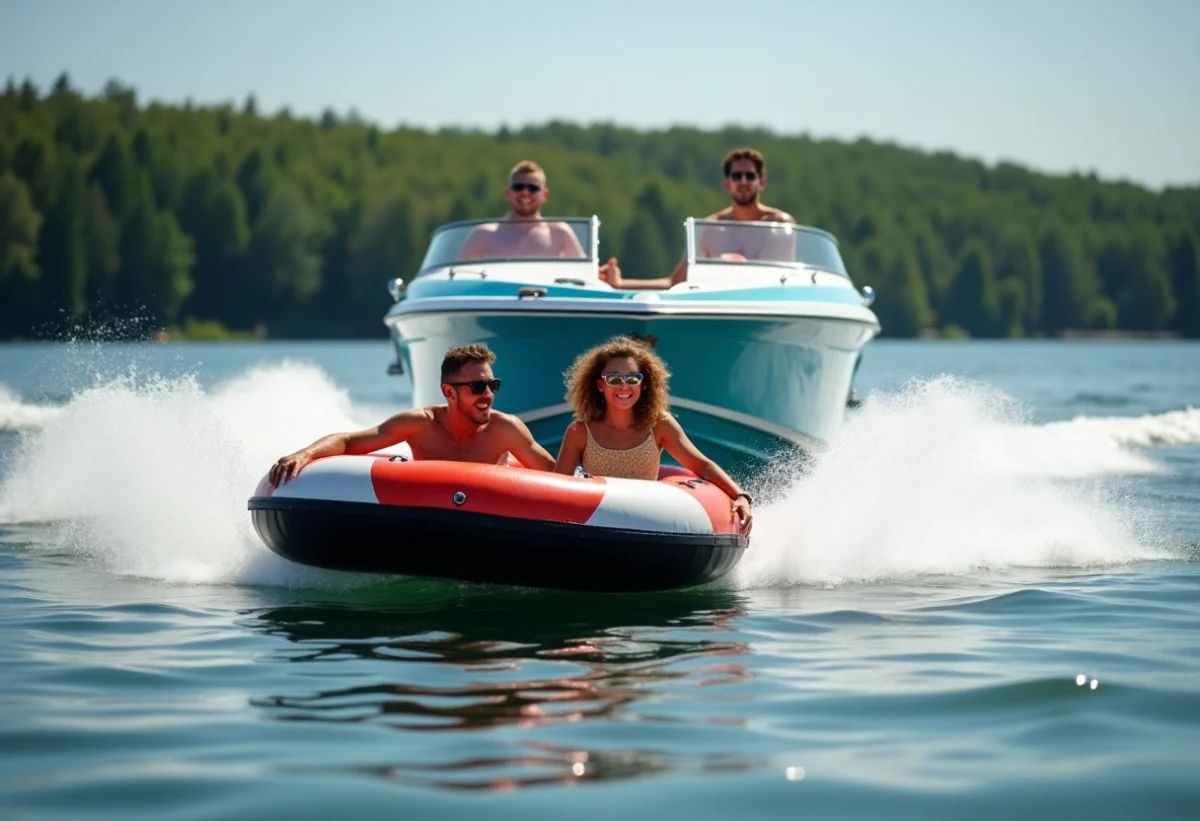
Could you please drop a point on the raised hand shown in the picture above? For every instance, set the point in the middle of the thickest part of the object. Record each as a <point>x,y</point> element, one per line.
<point>610,272</point>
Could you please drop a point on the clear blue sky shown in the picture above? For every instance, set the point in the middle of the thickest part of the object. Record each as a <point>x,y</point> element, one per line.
<point>1058,85</point>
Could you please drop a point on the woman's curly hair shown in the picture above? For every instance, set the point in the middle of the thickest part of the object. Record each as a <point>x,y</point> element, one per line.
<point>589,401</point>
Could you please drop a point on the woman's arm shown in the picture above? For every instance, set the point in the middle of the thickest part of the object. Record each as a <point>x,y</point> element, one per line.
<point>675,442</point>
<point>571,450</point>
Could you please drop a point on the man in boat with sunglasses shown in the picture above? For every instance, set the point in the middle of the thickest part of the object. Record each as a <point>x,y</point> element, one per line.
<point>525,234</point>
<point>465,429</point>
<point>745,172</point>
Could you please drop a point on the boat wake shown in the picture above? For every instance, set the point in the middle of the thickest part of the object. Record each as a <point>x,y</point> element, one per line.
<point>149,476</point>
<point>16,415</point>
<point>1180,427</point>
<point>949,477</point>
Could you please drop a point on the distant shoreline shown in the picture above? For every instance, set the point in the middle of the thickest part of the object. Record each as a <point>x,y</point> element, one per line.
<point>1119,336</point>
<point>1070,335</point>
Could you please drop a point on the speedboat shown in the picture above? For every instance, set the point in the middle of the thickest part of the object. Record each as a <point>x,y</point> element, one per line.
<point>762,337</point>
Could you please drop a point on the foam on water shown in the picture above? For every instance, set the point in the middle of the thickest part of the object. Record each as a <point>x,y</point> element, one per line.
<point>16,415</point>
<point>1181,427</point>
<point>948,477</point>
<point>149,476</point>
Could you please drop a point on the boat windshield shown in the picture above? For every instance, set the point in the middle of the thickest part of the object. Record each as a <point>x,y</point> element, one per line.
<point>512,240</point>
<point>774,243</point>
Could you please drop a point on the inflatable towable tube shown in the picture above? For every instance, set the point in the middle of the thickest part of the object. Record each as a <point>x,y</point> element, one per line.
<point>470,522</point>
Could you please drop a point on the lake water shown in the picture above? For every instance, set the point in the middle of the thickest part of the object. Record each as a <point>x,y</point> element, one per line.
<point>984,601</point>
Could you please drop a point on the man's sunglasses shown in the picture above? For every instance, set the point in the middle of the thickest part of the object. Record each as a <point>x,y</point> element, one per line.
<point>477,386</point>
<point>531,187</point>
<point>737,176</point>
<point>618,379</point>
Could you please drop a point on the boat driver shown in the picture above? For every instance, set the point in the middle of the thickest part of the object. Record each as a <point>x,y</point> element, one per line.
<point>465,429</point>
<point>526,234</point>
<point>745,171</point>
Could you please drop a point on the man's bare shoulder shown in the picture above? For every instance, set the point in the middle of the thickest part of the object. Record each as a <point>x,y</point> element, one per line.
<point>475,246</point>
<point>505,426</point>
<point>417,415</point>
<point>777,215</point>
<point>486,228</point>
<point>501,421</point>
<point>561,231</point>
<point>723,214</point>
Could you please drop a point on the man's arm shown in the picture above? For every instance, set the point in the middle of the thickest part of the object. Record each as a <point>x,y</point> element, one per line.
<point>566,243</point>
<point>476,245</point>
<point>781,247</point>
<point>677,275</point>
<point>521,444</point>
<point>613,277</point>
<point>718,241</point>
<point>394,430</point>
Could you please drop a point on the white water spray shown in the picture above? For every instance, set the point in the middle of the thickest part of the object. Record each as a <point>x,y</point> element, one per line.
<point>16,415</point>
<point>150,477</point>
<point>948,477</point>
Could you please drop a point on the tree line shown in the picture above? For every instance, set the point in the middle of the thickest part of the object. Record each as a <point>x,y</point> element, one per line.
<point>221,219</point>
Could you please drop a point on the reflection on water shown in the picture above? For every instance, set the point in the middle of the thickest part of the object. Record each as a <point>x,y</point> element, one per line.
<point>512,661</point>
<point>551,764</point>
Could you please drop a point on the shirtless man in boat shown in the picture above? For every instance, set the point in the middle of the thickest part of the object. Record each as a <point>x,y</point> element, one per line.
<point>745,178</point>
<point>465,429</point>
<point>527,235</point>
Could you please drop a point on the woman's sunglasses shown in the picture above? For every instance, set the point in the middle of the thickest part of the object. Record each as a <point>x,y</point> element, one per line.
<point>477,386</point>
<point>618,379</point>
